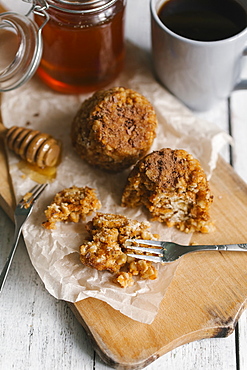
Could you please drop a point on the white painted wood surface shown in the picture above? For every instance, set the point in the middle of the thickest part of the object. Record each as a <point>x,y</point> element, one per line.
<point>38,332</point>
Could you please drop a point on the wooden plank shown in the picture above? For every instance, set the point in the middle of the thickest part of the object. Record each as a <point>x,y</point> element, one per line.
<point>2,9</point>
<point>7,199</point>
<point>37,331</point>
<point>239,132</point>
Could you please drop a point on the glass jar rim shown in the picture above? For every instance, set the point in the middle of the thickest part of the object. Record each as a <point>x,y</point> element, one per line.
<point>80,5</point>
<point>80,2</point>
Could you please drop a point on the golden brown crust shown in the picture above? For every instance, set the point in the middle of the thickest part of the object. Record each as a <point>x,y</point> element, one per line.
<point>106,249</point>
<point>71,205</point>
<point>173,187</point>
<point>114,128</point>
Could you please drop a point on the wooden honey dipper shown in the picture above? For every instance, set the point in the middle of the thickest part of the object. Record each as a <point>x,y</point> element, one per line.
<point>33,146</point>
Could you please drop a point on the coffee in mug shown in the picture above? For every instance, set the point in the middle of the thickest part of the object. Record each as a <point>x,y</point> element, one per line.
<point>204,20</point>
<point>197,48</point>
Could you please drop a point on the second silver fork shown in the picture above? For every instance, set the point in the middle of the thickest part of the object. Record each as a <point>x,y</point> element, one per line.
<point>22,212</point>
<point>168,252</point>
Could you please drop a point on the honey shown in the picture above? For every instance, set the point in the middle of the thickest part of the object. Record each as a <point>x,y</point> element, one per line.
<point>37,174</point>
<point>82,51</point>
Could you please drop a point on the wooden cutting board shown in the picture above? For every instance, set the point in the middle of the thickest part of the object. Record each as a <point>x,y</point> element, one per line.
<point>205,299</point>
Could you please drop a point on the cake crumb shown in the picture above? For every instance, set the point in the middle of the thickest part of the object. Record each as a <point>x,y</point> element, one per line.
<point>106,248</point>
<point>71,205</point>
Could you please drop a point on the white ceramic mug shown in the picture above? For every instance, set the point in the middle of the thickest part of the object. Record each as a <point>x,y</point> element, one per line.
<point>199,73</point>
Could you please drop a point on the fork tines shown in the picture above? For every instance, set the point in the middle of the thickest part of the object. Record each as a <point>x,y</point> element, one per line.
<point>156,243</point>
<point>31,196</point>
<point>158,251</point>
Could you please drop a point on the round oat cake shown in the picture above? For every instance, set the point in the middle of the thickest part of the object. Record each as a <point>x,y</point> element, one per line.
<point>114,128</point>
<point>172,185</point>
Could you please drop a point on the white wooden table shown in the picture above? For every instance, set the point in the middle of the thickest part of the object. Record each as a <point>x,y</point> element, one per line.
<point>38,332</point>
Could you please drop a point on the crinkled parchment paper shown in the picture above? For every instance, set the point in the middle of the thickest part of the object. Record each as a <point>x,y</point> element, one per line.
<point>55,254</point>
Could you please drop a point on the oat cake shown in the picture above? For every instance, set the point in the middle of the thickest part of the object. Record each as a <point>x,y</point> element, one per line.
<point>172,185</point>
<point>114,128</point>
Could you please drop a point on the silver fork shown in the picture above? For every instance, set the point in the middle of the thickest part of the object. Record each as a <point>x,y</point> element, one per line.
<point>22,212</point>
<point>169,252</point>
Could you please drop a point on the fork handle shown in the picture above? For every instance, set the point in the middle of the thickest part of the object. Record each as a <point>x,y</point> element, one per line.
<point>223,247</point>
<point>6,267</point>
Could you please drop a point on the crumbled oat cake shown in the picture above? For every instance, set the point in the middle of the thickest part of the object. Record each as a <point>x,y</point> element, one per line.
<point>172,185</point>
<point>106,250</point>
<point>71,205</point>
<point>114,128</point>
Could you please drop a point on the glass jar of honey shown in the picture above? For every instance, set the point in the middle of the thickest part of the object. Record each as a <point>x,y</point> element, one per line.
<point>83,43</point>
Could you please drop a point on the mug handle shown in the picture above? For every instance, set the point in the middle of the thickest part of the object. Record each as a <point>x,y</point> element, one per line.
<point>242,84</point>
